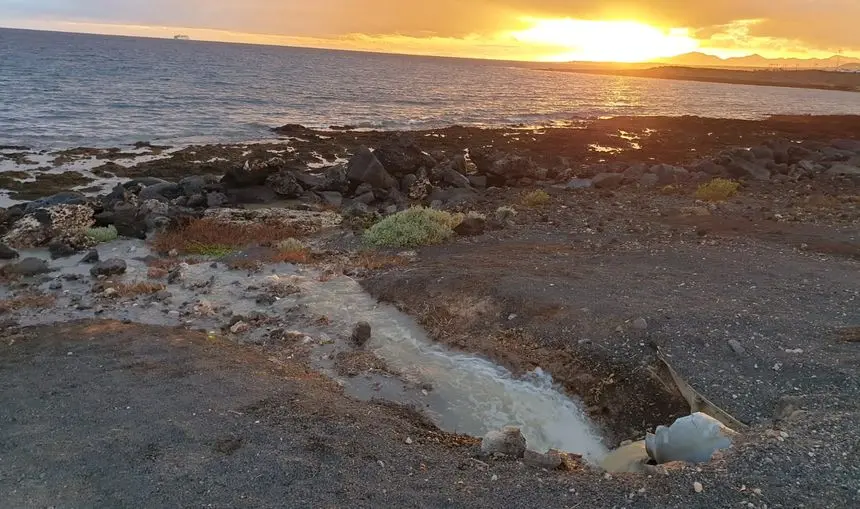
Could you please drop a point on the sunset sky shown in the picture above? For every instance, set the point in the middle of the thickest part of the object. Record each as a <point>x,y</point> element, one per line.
<point>607,30</point>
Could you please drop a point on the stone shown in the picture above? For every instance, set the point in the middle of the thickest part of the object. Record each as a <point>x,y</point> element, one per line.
<point>668,174</point>
<point>164,191</point>
<point>762,152</point>
<point>848,145</point>
<point>479,181</point>
<point>366,198</point>
<point>252,194</point>
<point>697,487</point>
<point>736,347</point>
<point>335,179</point>
<point>508,441</point>
<point>154,208</point>
<point>640,324</point>
<point>745,169</point>
<point>399,155</point>
<point>844,170</point>
<point>332,198</point>
<point>309,181</point>
<point>578,183</point>
<point>111,267</point>
<point>365,168</point>
<point>420,188</point>
<point>60,249</point>
<point>607,180</point>
<point>162,295</point>
<point>362,189</point>
<point>356,209</point>
<point>285,184</point>
<point>471,226</point>
<point>648,180</point>
<point>240,327</point>
<point>55,285</point>
<point>361,333</point>
<point>196,184</point>
<point>251,174</point>
<point>454,197</point>
<point>64,198</point>
<point>7,253</point>
<point>449,175</point>
<point>550,460</point>
<point>59,222</point>
<point>709,167</point>
<point>29,267</point>
<point>214,200</point>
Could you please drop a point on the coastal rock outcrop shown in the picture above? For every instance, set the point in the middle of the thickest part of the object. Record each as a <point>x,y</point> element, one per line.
<point>365,168</point>
<point>67,223</point>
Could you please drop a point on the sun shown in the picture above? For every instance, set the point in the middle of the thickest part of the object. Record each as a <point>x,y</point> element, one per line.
<point>604,41</point>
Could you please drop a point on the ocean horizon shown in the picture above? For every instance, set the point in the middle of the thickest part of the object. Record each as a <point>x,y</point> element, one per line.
<point>60,90</point>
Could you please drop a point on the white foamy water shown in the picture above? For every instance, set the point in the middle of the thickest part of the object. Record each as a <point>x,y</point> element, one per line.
<point>470,394</point>
<point>62,90</point>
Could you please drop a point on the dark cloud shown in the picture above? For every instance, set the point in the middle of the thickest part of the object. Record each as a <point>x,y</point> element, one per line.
<point>822,24</point>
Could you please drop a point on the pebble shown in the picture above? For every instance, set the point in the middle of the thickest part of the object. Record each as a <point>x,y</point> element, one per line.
<point>408,441</point>
<point>494,478</point>
<point>239,327</point>
<point>737,347</point>
<point>55,285</point>
<point>640,324</point>
<point>697,487</point>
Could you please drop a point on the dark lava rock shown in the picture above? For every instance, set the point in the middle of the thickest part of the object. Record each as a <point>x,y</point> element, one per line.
<point>364,167</point>
<point>740,168</point>
<point>29,267</point>
<point>197,184</point>
<point>332,198</point>
<point>356,209</point>
<point>607,180</point>
<point>309,181</point>
<point>454,196</point>
<point>112,267</point>
<point>668,174</point>
<point>361,334</point>
<point>165,191</point>
<point>254,194</point>
<point>479,181</point>
<point>634,173</point>
<point>215,200</point>
<point>648,180</point>
<point>366,198</point>
<point>55,285</point>
<point>7,253</point>
<point>64,198</point>
<point>59,249</point>
<point>92,256</point>
<point>447,174</point>
<point>709,167</point>
<point>471,226</point>
<point>129,222</point>
<point>762,152</point>
<point>285,184</point>
<point>363,188</point>
<point>251,174</point>
<point>335,179</point>
<point>400,156</point>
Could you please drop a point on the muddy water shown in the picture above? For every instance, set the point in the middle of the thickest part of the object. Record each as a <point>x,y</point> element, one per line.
<point>460,392</point>
<point>470,394</point>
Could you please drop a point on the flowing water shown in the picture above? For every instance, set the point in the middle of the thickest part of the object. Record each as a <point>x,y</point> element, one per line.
<point>460,392</point>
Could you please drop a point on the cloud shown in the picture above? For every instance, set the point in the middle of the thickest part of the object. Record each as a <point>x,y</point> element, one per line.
<point>797,24</point>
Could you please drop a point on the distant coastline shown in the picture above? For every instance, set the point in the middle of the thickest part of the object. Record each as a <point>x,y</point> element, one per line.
<point>812,79</point>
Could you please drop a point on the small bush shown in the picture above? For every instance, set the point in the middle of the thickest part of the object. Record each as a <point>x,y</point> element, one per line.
<point>105,234</point>
<point>413,227</point>
<point>717,190</point>
<point>505,214</point>
<point>536,198</point>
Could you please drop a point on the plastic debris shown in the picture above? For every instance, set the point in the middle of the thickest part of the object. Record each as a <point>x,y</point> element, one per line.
<point>692,439</point>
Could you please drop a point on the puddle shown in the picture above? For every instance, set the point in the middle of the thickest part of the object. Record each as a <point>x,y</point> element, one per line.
<point>460,392</point>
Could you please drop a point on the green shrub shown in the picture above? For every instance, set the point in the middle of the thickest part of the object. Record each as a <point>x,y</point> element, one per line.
<point>717,190</point>
<point>536,198</point>
<point>505,213</point>
<point>417,226</point>
<point>213,250</point>
<point>105,234</point>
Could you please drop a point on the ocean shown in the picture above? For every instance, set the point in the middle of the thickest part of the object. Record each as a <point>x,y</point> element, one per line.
<point>62,90</point>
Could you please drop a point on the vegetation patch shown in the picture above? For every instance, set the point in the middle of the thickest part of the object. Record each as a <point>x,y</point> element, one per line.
<point>213,238</point>
<point>717,190</point>
<point>105,234</point>
<point>414,227</point>
<point>27,301</point>
<point>505,214</point>
<point>536,198</point>
<point>137,288</point>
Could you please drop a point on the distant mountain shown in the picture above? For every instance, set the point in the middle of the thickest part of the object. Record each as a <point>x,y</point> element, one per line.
<point>850,67</point>
<point>696,59</point>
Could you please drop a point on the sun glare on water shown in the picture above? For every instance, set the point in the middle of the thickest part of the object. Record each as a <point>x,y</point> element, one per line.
<point>605,41</point>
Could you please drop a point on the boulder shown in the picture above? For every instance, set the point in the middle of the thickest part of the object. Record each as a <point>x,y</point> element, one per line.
<point>197,184</point>
<point>7,253</point>
<point>335,178</point>
<point>111,267</point>
<point>848,145</point>
<point>285,184</point>
<point>454,197</point>
<point>399,155</point>
<point>633,173</point>
<point>253,194</point>
<point>844,170</point>
<point>762,152</point>
<point>62,222</point>
<point>60,249</point>
<point>709,167</point>
<point>834,155</point>
<point>419,188</point>
<point>508,441</point>
<point>252,173</point>
<point>361,333</point>
<point>608,180</point>
<point>797,153</point>
<point>29,267</point>
<point>309,181</point>
<point>91,257</point>
<point>366,198</point>
<point>743,169</point>
<point>332,198</point>
<point>447,174</point>
<point>471,226</point>
<point>214,200</point>
<point>128,221</point>
<point>64,198</point>
<point>164,192</point>
<point>365,168</point>
<point>550,460</point>
<point>479,181</point>
<point>578,183</point>
<point>648,180</point>
<point>668,174</point>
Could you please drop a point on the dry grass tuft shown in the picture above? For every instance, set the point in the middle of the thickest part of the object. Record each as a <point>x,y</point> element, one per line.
<point>27,301</point>
<point>536,198</point>
<point>717,190</point>
<point>375,261</point>
<point>210,237</point>
<point>137,288</point>
<point>156,273</point>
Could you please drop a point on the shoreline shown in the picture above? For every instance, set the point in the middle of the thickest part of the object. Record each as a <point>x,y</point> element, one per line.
<point>731,77</point>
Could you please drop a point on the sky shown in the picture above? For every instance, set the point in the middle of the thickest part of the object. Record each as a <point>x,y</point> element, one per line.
<point>544,30</point>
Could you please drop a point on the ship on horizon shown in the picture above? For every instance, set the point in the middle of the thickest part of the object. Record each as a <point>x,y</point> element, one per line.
<point>181,37</point>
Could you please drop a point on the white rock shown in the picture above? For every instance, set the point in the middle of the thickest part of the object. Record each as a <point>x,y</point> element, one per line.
<point>408,441</point>
<point>508,441</point>
<point>640,324</point>
<point>697,487</point>
<point>239,327</point>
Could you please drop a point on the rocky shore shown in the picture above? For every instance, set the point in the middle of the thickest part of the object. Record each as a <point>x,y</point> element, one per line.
<point>653,267</point>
